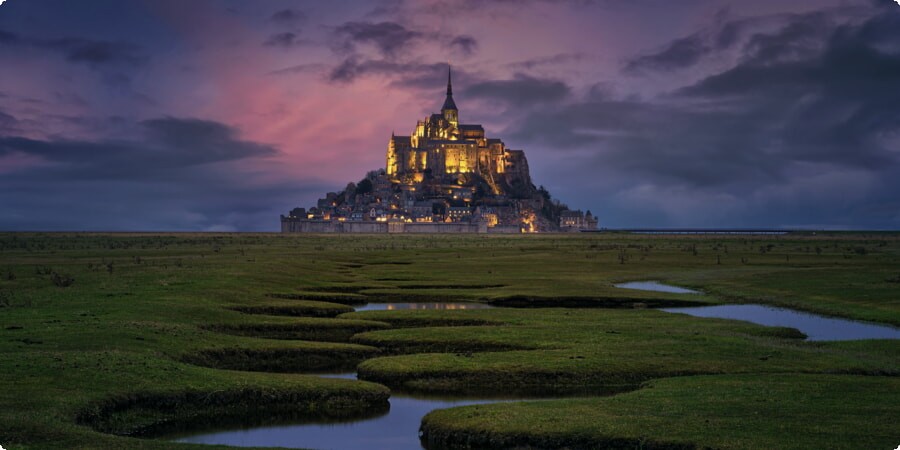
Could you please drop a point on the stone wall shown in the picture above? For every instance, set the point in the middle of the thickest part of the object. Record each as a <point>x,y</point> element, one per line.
<point>295,225</point>
<point>505,229</point>
<point>440,228</point>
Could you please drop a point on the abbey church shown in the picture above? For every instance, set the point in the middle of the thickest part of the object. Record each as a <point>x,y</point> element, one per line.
<point>441,145</point>
<point>444,177</point>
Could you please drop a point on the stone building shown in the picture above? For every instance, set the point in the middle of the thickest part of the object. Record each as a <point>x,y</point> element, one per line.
<point>445,177</point>
<point>441,146</point>
<point>577,221</point>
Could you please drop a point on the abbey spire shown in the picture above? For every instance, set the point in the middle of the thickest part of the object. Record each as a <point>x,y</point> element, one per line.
<point>449,110</point>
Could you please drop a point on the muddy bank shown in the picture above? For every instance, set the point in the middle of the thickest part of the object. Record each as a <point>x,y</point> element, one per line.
<point>425,322</point>
<point>343,299</point>
<point>523,301</point>
<point>450,286</point>
<point>324,330</point>
<point>398,347</point>
<point>312,310</point>
<point>282,360</point>
<point>153,414</point>
<point>521,384</point>
<point>438,436</point>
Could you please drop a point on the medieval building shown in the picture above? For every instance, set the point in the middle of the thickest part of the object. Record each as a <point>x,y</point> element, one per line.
<point>445,176</point>
<point>441,146</point>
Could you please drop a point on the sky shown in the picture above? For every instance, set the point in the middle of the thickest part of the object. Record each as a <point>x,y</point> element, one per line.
<point>218,115</point>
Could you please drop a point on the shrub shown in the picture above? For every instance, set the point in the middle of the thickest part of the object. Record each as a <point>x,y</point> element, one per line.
<point>61,280</point>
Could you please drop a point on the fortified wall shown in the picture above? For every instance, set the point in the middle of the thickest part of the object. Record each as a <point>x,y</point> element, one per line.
<point>294,225</point>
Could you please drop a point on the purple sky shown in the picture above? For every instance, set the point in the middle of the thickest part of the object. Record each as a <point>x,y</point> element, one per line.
<point>221,115</point>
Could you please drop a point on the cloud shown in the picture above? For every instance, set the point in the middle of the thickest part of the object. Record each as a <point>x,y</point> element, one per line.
<point>168,144</point>
<point>284,40</point>
<point>81,50</point>
<point>407,75</point>
<point>466,45</point>
<point>802,37</point>
<point>554,60</point>
<point>7,121</point>
<point>520,91</point>
<point>678,54</point>
<point>387,37</point>
<point>183,174</point>
<point>96,52</point>
<point>723,35</point>
<point>808,107</point>
<point>301,68</point>
<point>288,17</point>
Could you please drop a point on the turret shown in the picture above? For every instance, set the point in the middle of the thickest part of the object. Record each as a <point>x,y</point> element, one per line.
<point>449,111</point>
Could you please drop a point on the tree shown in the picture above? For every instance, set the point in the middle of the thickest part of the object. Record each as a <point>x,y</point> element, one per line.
<point>364,186</point>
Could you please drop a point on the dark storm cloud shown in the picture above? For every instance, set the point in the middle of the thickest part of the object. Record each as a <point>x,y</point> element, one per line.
<point>558,59</point>
<point>758,122</point>
<point>206,201</point>
<point>801,38</point>
<point>388,37</point>
<point>170,144</point>
<point>96,52</point>
<point>285,40</point>
<point>198,141</point>
<point>391,39</point>
<point>301,68</point>
<point>181,176</point>
<point>81,50</point>
<point>8,38</point>
<point>408,75</point>
<point>522,90</point>
<point>288,17</point>
<point>678,54</point>
<point>7,121</point>
<point>467,45</point>
<point>721,35</point>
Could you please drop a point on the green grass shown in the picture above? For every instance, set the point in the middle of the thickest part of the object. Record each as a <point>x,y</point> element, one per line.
<point>154,324</point>
<point>568,350</point>
<point>783,411</point>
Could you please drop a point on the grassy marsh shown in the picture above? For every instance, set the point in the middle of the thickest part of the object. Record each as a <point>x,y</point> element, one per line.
<point>148,324</point>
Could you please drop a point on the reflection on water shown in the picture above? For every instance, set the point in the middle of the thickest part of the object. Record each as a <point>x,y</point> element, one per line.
<point>396,430</point>
<point>656,287</point>
<point>345,375</point>
<point>817,328</point>
<point>421,305</point>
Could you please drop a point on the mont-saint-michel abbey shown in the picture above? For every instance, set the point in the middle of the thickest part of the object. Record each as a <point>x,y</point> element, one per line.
<point>445,177</point>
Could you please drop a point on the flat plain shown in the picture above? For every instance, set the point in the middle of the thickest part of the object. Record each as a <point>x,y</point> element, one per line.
<point>109,340</point>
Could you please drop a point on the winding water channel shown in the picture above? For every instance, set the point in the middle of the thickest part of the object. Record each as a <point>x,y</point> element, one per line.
<point>814,326</point>
<point>398,428</point>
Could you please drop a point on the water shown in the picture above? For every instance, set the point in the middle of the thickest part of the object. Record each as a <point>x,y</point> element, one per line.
<point>347,375</point>
<point>656,287</point>
<point>421,305</point>
<point>396,430</point>
<point>817,328</point>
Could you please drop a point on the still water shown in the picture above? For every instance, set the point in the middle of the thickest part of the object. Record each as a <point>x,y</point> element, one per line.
<point>396,430</point>
<point>656,287</point>
<point>815,327</point>
<point>421,305</point>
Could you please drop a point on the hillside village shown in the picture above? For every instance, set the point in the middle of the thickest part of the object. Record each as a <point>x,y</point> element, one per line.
<point>445,176</point>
